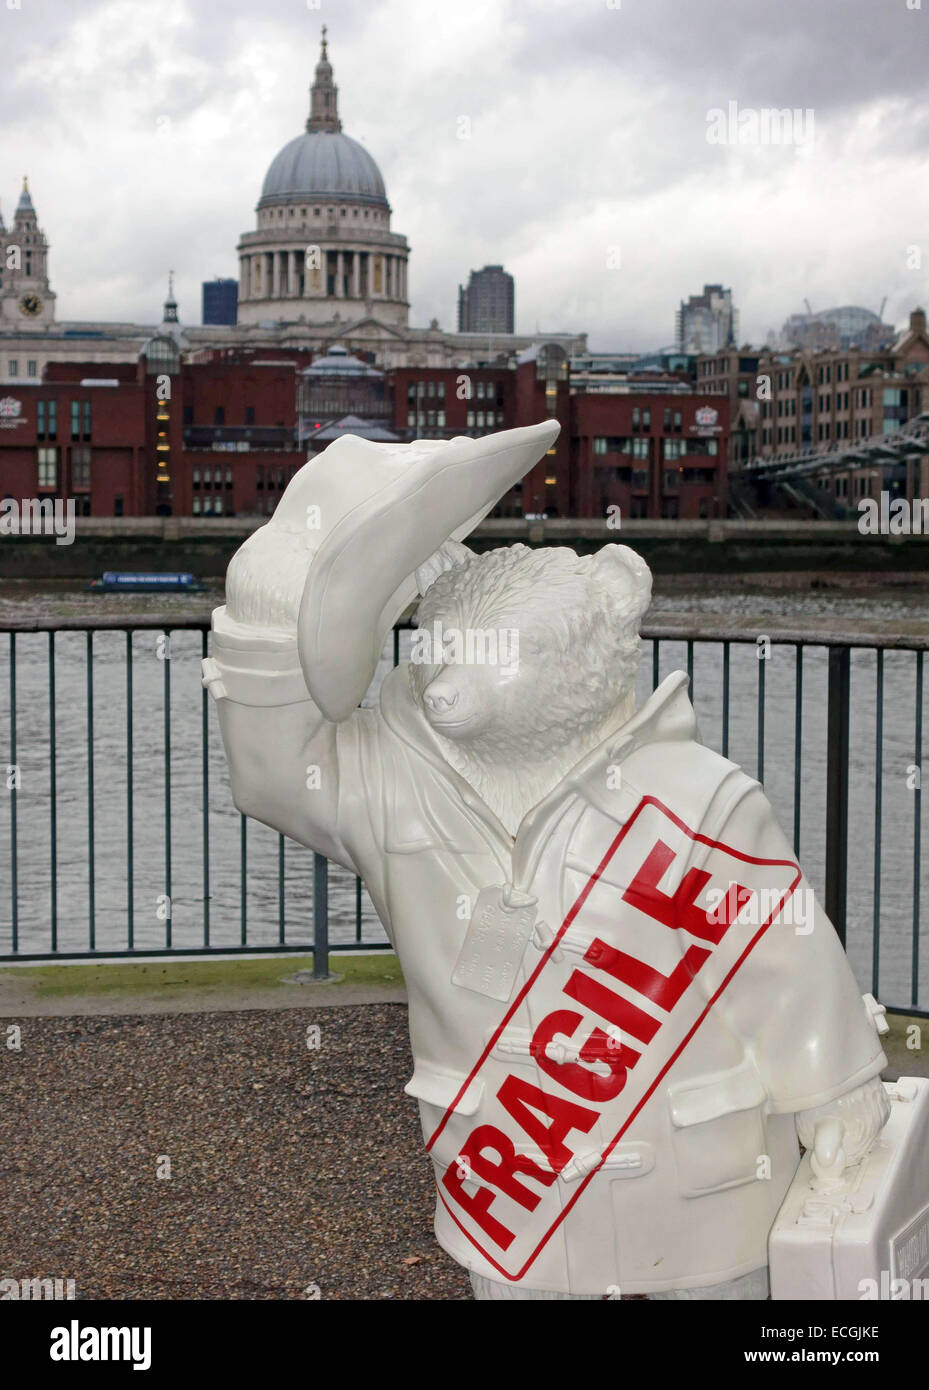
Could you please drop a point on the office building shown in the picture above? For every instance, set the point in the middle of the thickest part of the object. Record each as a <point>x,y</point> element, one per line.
<point>487,303</point>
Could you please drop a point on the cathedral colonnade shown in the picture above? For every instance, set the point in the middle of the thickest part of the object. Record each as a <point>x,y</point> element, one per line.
<point>342,274</point>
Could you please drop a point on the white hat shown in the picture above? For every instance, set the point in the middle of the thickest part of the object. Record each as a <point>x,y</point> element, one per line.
<point>387,508</point>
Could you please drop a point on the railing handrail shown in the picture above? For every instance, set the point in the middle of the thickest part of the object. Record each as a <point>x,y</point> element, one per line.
<point>913,637</point>
<point>692,630</point>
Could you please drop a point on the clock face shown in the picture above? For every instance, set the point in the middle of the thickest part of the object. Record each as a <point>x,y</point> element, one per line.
<point>30,304</point>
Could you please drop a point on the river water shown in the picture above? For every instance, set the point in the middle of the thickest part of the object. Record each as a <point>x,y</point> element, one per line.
<point>855,608</point>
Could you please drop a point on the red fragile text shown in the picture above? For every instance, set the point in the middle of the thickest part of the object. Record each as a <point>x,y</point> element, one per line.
<point>590,1045</point>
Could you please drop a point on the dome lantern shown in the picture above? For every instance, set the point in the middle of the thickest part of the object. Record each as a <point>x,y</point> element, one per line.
<point>324,98</point>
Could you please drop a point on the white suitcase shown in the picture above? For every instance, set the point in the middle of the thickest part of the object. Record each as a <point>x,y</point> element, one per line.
<point>870,1238</point>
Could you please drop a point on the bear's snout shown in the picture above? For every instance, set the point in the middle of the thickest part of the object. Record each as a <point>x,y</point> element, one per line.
<point>440,696</point>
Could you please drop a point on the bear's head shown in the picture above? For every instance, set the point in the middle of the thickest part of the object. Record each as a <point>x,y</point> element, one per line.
<point>522,656</point>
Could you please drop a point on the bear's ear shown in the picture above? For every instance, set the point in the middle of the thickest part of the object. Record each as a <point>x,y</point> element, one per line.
<point>625,576</point>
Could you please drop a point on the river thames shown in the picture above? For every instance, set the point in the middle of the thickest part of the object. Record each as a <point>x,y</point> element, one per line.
<point>846,607</point>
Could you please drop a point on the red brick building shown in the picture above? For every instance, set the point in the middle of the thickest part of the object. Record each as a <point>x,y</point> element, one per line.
<point>438,403</point>
<point>238,441</point>
<point>653,454</point>
<point>80,433</point>
<point>219,436</point>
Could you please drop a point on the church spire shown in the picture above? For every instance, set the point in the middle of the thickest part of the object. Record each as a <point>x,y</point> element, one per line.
<point>170,314</point>
<point>25,199</point>
<point>324,111</point>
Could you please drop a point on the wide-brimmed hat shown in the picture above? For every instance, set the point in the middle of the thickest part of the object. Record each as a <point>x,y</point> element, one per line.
<point>398,503</point>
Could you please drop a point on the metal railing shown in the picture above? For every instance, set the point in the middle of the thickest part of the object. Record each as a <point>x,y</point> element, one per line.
<point>715,641</point>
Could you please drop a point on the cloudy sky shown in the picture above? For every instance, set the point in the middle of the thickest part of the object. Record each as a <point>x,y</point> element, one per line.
<point>146,127</point>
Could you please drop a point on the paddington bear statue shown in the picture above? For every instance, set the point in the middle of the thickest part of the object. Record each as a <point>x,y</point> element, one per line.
<point>622,1027</point>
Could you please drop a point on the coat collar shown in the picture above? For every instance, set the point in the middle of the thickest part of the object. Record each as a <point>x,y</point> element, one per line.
<point>667,716</point>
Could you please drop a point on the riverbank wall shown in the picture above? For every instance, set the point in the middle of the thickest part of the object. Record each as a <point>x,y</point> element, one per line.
<point>205,546</point>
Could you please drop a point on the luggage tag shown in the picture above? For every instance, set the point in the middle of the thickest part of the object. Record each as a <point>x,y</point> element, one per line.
<point>495,942</point>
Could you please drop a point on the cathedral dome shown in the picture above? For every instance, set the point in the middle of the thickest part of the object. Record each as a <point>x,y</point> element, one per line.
<point>325,189</point>
<point>324,163</point>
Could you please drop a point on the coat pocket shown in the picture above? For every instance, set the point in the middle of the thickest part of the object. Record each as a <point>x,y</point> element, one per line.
<point>439,1088</point>
<point>718,1130</point>
<point>436,1091</point>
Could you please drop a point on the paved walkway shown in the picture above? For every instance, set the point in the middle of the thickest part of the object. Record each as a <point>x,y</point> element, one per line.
<point>284,1168</point>
<point>289,1167</point>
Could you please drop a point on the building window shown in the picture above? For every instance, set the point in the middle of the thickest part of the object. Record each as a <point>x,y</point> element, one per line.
<point>75,419</point>
<point>14,367</point>
<point>228,477</point>
<point>80,469</point>
<point>600,444</point>
<point>646,419</point>
<point>469,420</point>
<point>411,419</point>
<point>636,417</point>
<point>640,448</point>
<point>441,390</point>
<point>219,415</point>
<point>47,467</point>
<point>440,419</point>
<point>32,367</point>
<point>196,506</point>
<point>40,419</point>
<point>672,448</point>
<point>196,479</point>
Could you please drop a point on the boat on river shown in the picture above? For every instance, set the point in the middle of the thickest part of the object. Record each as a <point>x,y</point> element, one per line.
<point>136,582</point>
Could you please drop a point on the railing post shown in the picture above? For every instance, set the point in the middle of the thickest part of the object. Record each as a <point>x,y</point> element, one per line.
<point>837,735</point>
<point>320,917</point>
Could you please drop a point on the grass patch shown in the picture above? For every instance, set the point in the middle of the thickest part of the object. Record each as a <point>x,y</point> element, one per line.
<point>173,977</point>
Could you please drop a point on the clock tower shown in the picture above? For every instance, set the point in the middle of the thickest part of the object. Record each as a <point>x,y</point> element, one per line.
<point>25,297</point>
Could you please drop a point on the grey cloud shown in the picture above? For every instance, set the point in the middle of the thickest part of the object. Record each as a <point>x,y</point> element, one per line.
<point>589,126</point>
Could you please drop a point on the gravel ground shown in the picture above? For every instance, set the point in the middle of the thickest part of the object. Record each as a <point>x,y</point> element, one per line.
<point>289,1167</point>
